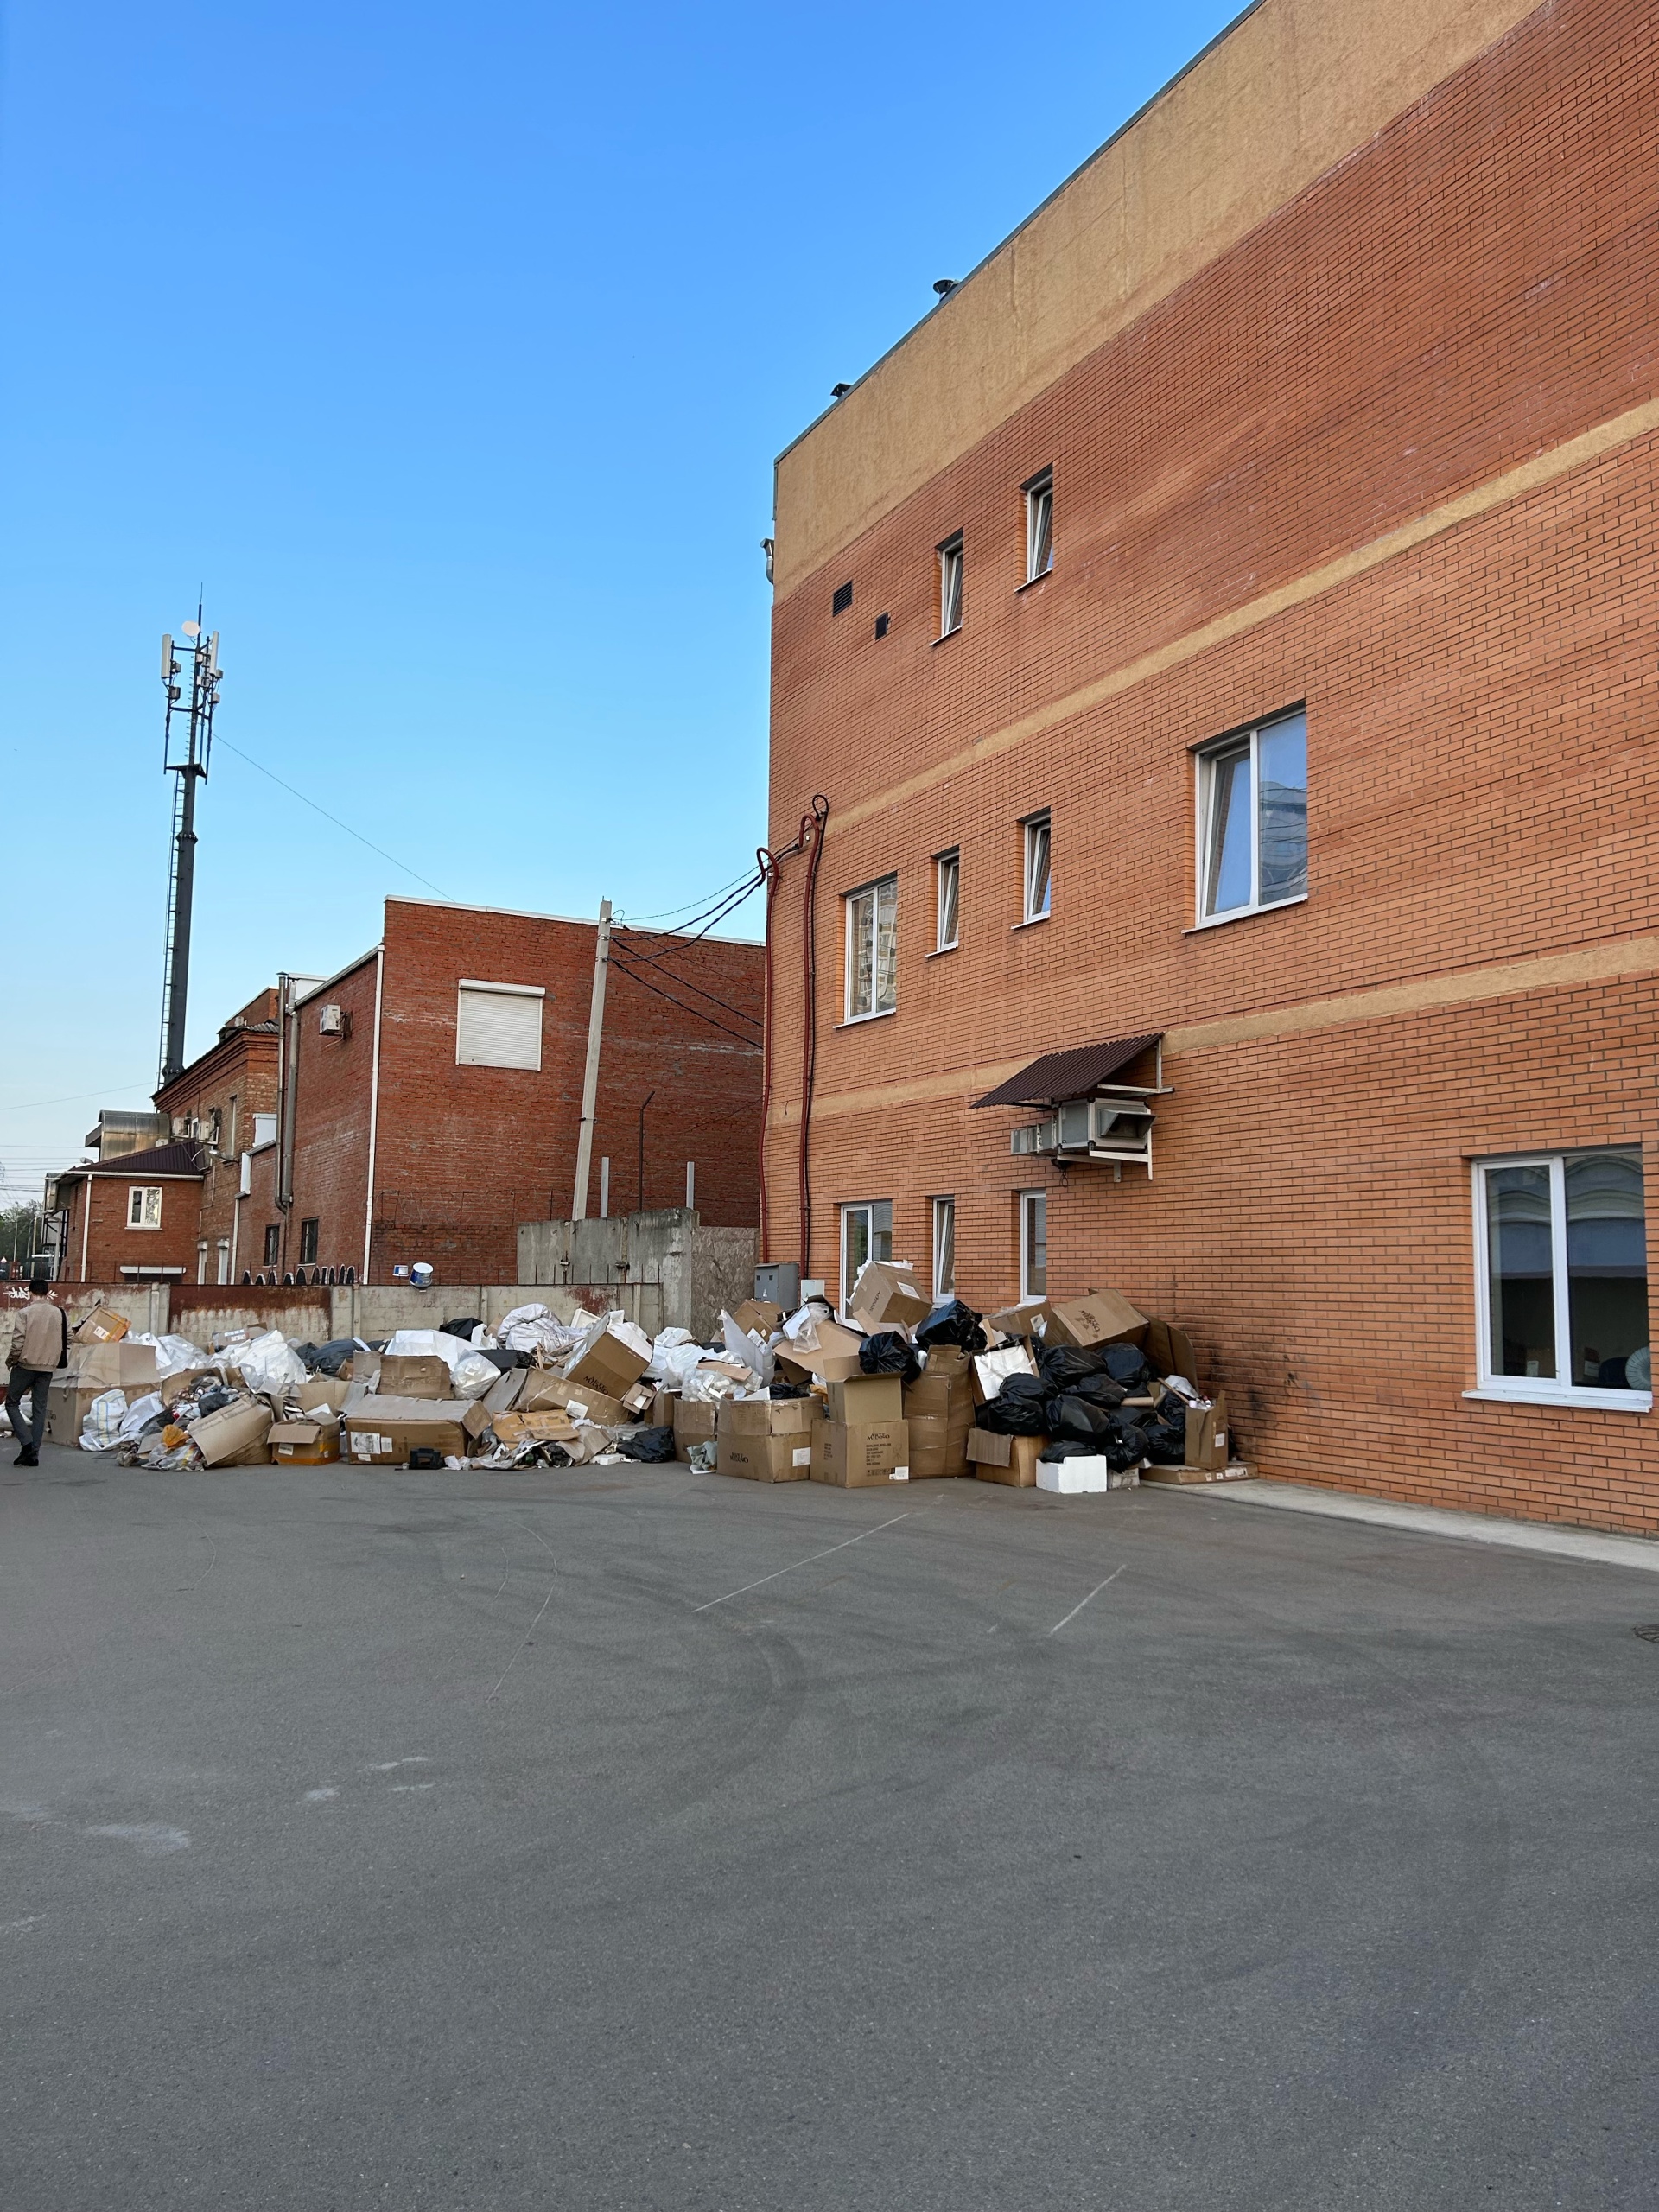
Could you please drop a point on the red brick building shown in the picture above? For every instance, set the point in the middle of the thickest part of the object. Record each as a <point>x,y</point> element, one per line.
<point>223,1100</point>
<point>429,1094</point>
<point>134,1219</point>
<point>1229,621</point>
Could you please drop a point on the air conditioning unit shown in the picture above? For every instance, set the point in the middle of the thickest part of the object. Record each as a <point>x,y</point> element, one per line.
<point>1035,1137</point>
<point>1115,1127</point>
<point>333,1021</point>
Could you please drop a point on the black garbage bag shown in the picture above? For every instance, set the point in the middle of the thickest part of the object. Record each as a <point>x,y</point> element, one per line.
<point>462,1328</point>
<point>306,1352</point>
<point>1125,1363</point>
<point>1069,1416</point>
<point>1061,1365</point>
<point>1100,1390</point>
<point>1166,1443</point>
<point>329,1358</point>
<point>1126,1444</point>
<point>210,1401</point>
<point>952,1323</point>
<point>790,1390</point>
<point>1070,1447</point>
<point>1019,1408</point>
<point>888,1353</point>
<point>498,1356</point>
<point>652,1445</point>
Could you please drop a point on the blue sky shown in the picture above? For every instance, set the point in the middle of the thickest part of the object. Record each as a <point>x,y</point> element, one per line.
<point>448,350</point>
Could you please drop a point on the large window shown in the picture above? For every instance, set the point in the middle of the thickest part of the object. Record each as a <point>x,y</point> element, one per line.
<point>1034,1245</point>
<point>143,1205</point>
<point>944,1247</point>
<point>1038,871</point>
<point>499,1025</point>
<point>308,1240</point>
<point>873,949</point>
<point>1561,1277</point>
<point>866,1235</point>
<point>950,585</point>
<point>948,882</point>
<point>1040,525</point>
<point>1253,820</point>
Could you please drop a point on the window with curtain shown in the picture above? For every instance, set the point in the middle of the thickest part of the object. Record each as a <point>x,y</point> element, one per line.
<point>144,1205</point>
<point>873,949</point>
<point>1252,819</point>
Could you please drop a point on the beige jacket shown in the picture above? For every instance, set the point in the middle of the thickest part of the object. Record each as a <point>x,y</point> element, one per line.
<point>37,1335</point>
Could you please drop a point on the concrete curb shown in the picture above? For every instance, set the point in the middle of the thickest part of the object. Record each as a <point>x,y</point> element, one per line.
<point>1590,1547</point>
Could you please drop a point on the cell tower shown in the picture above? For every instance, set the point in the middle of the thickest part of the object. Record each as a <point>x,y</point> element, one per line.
<point>185,754</point>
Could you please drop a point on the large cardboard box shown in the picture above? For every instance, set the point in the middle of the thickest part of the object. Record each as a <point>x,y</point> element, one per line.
<point>303,1443</point>
<point>1169,1350</point>
<point>828,1351</point>
<point>506,1391</point>
<point>100,1326</point>
<point>939,1410</point>
<point>1011,1459</point>
<point>856,1398</point>
<point>382,1432</point>
<point>1206,1434</point>
<point>114,1365</point>
<point>418,1375</point>
<point>551,1427</point>
<point>322,1394</point>
<point>545,1393</point>
<point>227,1437</point>
<point>760,1316</point>
<point>67,1398</point>
<point>1105,1317</point>
<point>606,1363</point>
<point>768,1440</point>
<point>663,1403</point>
<point>695,1423</point>
<point>860,1455</point>
<point>888,1296</point>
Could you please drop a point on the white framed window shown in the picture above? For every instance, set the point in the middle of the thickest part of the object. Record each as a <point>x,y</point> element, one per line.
<point>143,1205</point>
<point>947,881</point>
<point>950,585</point>
<point>224,1251</point>
<point>944,1249</point>
<point>1253,820</point>
<point>1040,525</point>
<point>1038,871</point>
<point>1034,1245</point>
<point>873,949</point>
<point>498,1025</point>
<point>1561,1279</point>
<point>866,1235</point>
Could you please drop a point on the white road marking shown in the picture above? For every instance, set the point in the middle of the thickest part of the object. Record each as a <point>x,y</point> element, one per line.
<point>408,1789</point>
<point>1082,1601</point>
<point>390,1766</point>
<point>154,1838</point>
<point>807,1561</point>
<point>319,1796</point>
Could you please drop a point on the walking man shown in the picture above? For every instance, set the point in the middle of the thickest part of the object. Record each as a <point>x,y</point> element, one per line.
<point>39,1344</point>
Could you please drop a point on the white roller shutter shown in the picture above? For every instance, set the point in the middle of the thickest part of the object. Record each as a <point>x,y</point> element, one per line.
<point>499,1025</point>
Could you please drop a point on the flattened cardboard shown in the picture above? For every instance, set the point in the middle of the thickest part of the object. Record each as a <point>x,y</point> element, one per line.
<point>224,1437</point>
<point>1011,1459</point>
<point>553,1428</point>
<point>506,1391</point>
<point>417,1375</point>
<point>608,1364</point>
<point>862,1455</point>
<point>767,1439</point>
<point>1236,1471</point>
<point>760,1316</point>
<point>303,1443</point>
<point>1169,1350</point>
<point>1105,1317</point>
<point>545,1393</point>
<point>382,1432</point>
<point>320,1394</point>
<point>856,1398</point>
<point>888,1296</point>
<point>114,1365</point>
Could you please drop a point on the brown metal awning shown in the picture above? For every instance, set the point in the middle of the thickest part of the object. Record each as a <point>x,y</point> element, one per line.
<point>1059,1076</point>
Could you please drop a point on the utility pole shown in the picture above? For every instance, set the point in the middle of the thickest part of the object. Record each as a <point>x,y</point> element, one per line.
<point>590,1068</point>
<point>185,754</point>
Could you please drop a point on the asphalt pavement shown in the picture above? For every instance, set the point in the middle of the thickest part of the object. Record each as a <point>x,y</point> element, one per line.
<point>635,1840</point>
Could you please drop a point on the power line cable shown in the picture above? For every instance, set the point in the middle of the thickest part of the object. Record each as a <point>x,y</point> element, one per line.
<point>713,997</point>
<point>72,1098</point>
<point>696,1012</point>
<point>689,936</point>
<point>306,801</point>
<point>667,911</point>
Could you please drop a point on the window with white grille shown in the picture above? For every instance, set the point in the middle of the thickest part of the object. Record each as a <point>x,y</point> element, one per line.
<point>499,1025</point>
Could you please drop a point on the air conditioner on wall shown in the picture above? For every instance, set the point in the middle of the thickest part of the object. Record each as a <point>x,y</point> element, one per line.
<point>331,1022</point>
<point>1115,1125</point>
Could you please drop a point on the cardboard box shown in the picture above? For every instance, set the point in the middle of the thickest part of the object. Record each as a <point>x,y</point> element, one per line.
<point>514,1429</point>
<point>114,1365</point>
<point>68,1400</point>
<point>860,1455</point>
<point>1206,1434</point>
<point>1010,1459</point>
<point>939,1409</point>
<point>696,1422</point>
<point>1019,1320</point>
<point>505,1393</point>
<point>1105,1317</point>
<point>760,1316</point>
<point>637,1403</point>
<point>223,1438</point>
<point>663,1403</point>
<point>1236,1471</point>
<point>420,1375</point>
<point>828,1351</point>
<point>857,1398</point>
<point>888,1296</point>
<point>545,1393</point>
<point>100,1326</point>
<point>303,1443</point>
<point>382,1432</point>
<point>322,1393</point>
<point>767,1439</point>
<point>1077,1477</point>
<point>608,1364</point>
<point>1169,1350</point>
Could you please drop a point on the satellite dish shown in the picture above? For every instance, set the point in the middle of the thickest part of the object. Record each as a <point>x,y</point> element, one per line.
<point>190,629</point>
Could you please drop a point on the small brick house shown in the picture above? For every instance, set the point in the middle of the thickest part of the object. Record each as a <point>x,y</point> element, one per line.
<point>133,1219</point>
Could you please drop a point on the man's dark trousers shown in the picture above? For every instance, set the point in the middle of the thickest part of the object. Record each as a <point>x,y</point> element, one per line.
<point>34,1380</point>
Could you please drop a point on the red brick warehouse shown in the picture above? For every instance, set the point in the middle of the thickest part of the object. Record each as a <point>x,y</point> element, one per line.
<point>443,1072</point>
<point>1229,619</point>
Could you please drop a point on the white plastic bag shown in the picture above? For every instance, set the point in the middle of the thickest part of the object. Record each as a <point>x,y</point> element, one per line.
<point>101,1430</point>
<point>139,1415</point>
<point>473,1374</point>
<point>534,1329</point>
<point>174,1354</point>
<point>425,1344</point>
<point>666,1341</point>
<point>268,1364</point>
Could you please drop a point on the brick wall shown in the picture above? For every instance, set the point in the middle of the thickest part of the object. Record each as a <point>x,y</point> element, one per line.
<point>108,1243</point>
<point>1440,340</point>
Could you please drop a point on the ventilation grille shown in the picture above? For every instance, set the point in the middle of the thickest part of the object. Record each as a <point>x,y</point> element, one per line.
<point>842,600</point>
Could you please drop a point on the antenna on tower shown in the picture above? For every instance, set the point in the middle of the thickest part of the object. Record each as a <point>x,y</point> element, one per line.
<point>185,753</point>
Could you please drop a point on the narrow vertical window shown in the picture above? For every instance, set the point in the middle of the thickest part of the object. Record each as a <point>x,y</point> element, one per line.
<point>944,1247</point>
<point>1561,1274</point>
<point>950,585</point>
<point>1252,819</point>
<point>201,1262</point>
<point>1034,1245</point>
<point>308,1240</point>
<point>949,868</point>
<point>866,1235</point>
<point>1037,885</point>
<point>273,1242</point>
<point>1040,525</point>
<point>873,949</point>
<point>224,1274</point>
